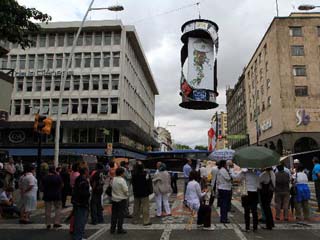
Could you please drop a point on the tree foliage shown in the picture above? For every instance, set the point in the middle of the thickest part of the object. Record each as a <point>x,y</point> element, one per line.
<point>181,147</point>
<point>201,147</point>
<point>16,24</point>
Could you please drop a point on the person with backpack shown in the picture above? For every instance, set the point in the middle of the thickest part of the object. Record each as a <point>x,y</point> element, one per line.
<point>267,181</point>
<point>80,201</point>
<point>97,183</point>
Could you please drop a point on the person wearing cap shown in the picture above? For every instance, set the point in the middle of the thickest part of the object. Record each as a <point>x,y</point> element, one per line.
<point>296,163</point>
<point>316,179</point>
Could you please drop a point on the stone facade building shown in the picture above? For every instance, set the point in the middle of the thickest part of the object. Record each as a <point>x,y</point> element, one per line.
<point>219,123</point>
<point>109,94</point>
<point>282,85</point>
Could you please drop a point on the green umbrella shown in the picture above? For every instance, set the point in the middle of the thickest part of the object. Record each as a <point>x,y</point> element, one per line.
<point>256,157</point>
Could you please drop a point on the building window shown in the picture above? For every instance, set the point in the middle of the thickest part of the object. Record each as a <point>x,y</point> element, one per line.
<point>67,84</point>
<point>87,60</point>
<point>31,60</point>
<point>47,83</point>
<point>84,106</point>
<point>301,91</point>
<point>96,60</point>
<point>116,59</point>
<point>299,71</point>
<point>4,62</point>
<point>59,59</point>
<point>262,89</point>
<point>42,40</point>
<point>17,107</point>
<point>105,82</point>
<point>263,106</point>
<point>27,107</point>
<point>97,39</point>
<point>70,38</point>
<point>60,40</point>
<point>45,106</point>
<point>85,82</point>
<point>107,38</point>
<point>55,106</point>
<point>13,62</point>
<point>57,82</point>
<point>94,105</point>
<point>296,31</point>
<point>115,81</point>
<point>40,63</point>
<point>104,105</point>
<point>33,39</point>
<point>75,104</point>
<point>95,82</point>
<point>116,38</point>
<point>38,83</point>
<point>76,83</point>
<point>114,105</point>
<point>36,106</point>
<point>106,59</point>
<point>88,39</point>
<point>297,50</point>
<point>22,61</point>
<point>29,84</point>
<point>269,101</point>
<point>65,106</point>
<point>19,84</point>
<point>49,61</point>
<point>80,40</point>
<point>77,60</point>
<point>52,40</point>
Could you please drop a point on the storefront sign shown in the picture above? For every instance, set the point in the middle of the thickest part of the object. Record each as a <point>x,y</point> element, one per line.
<point>17,136</point>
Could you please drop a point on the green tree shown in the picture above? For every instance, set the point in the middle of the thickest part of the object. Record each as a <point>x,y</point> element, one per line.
<point>201,147</point>
<point>16,24</point>
<point>181,147</point>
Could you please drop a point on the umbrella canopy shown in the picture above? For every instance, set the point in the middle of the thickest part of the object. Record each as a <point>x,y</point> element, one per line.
<point>256,157</point>
<point>221,154</point>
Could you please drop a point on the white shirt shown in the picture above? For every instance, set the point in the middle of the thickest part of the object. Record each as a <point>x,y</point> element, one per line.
<point>224,180</point>
<point>300,178</point>
<point>193,194</point>
<point>119,189</point>
<point>203,172</point>
<point>265,178</point>
<point>251,178</point>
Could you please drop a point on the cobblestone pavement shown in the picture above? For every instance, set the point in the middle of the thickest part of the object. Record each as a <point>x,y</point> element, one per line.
<point>171,227</point>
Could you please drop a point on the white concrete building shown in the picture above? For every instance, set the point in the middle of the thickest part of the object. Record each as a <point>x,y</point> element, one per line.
<point>109,86</point>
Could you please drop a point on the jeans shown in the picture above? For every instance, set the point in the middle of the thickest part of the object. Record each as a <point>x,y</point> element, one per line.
<point>162,198</point>
<point>317,188</point>
<point>265,203</point>
<point>224,200</point>
<point>57,211</point>
<point>117,215</point>
<point>80,220</point>
<point>96,209</point>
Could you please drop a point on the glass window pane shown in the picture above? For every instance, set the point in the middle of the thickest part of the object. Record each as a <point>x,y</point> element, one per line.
<point>22,61</point>
<point>106,59</point>
<point>77,60</point>
<point>97,59</point>
<point>76,83</point>
<point>47,83</point>
<point>42,40</point>
<point>114,105</point>
<point>105,82</point>
<point>115,81</point>
<point>97,39</point>
<point>80,40</point>
<point>31,61</point>
<point>49,61</point>
<point>70,38</point>
<point>87,60</point>
<point>52,40</point>
<point>85,82</point>
<point>59,59</point>
<point>75,104</point>
<point>116,38</point>
<point>61,40</point>
<point>107,38</point>
<point>116,59</point>
<point>88,39</point>
<point>40,63</point>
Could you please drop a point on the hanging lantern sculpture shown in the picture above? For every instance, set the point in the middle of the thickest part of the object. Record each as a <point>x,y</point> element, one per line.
<point>200,47</point>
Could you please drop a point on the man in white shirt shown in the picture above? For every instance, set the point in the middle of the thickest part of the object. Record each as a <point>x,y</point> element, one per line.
<point>186,172</point>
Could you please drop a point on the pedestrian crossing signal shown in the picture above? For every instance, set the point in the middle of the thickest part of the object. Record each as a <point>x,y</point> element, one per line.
<point>47,126</point>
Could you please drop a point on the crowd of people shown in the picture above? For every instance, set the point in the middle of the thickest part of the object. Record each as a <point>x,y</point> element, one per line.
<point>202,186</point>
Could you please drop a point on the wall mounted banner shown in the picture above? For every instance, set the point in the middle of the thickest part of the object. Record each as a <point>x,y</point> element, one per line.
<point>199,84</point>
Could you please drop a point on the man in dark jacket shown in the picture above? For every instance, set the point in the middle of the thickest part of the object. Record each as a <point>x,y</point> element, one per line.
<point>80,201</point>
<point>97,182</point>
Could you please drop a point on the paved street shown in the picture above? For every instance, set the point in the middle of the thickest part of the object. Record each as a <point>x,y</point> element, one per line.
<point>172,227</point>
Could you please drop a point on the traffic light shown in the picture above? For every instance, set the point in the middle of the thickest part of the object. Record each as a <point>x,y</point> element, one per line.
<point>36,122</point>
<point>47,126</point>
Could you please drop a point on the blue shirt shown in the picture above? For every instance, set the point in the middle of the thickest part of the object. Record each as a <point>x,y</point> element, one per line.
<point>186,170</point>
<point>315,172</point>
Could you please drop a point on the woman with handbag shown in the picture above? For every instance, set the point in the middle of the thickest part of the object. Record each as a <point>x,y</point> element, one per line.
<point>142,188</point>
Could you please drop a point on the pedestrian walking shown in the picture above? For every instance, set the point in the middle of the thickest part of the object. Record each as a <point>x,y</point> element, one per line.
<point>52,187</point>
<point>97,180</point>
<point>162,189</point>
<point>186,171</point>
<point>282,192</point>
<point>127,177</point>
<point>141,186</point>
<point>316,179</point>
<point>120,194</point>
<point>28,186</point>
<point>249,196</point>
<point>266,189</point>
<point>224,183</point>
<point>80,201</point>
<point>302,194</point>
<point>66,189</point>
<point>214,173</point>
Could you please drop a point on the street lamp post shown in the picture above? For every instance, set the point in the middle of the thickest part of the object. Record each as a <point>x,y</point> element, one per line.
<point>64,77</point>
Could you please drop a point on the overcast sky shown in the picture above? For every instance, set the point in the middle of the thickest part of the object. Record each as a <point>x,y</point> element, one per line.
<point>242,25</point>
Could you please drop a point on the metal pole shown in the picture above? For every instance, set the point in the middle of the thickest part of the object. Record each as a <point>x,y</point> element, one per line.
<point>277,6</point>
<point>63,80</point>
<point>39,162</point>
